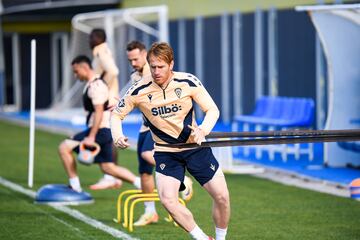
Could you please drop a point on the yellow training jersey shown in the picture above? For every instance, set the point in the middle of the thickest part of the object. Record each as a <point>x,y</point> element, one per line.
<point>169,111</point>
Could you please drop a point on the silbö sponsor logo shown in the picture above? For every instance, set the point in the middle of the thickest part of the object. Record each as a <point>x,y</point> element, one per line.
<point>166,111</point>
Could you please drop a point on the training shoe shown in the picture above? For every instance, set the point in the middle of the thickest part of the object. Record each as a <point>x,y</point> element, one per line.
<point>79,190</point>
<point>106,184</point>
<point>187,194</point>
<point>147,218</point>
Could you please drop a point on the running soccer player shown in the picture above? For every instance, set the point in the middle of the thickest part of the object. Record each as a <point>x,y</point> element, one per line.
<point>166,101</point>
<point>136,54</point>
<point>95,100</point>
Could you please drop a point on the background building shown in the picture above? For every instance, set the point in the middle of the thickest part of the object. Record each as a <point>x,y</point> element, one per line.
<point>241,50</point>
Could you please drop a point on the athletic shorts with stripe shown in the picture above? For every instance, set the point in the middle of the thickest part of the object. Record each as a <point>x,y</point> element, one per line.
<point>200,163</point>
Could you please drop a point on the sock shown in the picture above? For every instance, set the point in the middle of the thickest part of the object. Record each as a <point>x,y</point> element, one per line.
<point>198,234</point>
<point>220,233</point>
<point>137,183</point>
<point>150,207</point>
<point>109,177</point>
<point>75,184</point>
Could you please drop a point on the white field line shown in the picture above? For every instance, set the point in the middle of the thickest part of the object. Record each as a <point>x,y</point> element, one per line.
<point>78,232</point>
<point>72,212</point>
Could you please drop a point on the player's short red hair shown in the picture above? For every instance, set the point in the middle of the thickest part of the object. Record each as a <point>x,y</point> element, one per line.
<point>162,51</point>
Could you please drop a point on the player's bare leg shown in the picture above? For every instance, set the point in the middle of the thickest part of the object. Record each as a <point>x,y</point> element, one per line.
<point>147,183</point>
<point>168,189</point>
<point>217,188</point>
<point>108,181</point>
<point>147,186</point>
<point>67,159</point>
<point>65,152</point>
<point>118,172</point>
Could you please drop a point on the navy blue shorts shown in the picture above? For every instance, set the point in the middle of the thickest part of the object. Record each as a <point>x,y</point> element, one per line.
<point>145,143</point>
<point>200,163</point>
<point>103,138</point>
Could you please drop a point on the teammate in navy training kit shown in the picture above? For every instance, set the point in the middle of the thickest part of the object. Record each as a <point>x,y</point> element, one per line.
<point>166,101</point>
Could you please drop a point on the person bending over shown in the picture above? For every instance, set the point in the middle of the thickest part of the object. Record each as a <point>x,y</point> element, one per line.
<point>95,101</point>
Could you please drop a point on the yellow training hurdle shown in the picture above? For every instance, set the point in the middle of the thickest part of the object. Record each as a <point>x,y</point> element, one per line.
<point>137,196</point>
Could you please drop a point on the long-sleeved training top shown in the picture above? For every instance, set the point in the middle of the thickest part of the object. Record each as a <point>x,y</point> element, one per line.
<point>169,111</point>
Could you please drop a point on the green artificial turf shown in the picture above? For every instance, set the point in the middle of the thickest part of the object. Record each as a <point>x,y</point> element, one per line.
<point>260,209</point>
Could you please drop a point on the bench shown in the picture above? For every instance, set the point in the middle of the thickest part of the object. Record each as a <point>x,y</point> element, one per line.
<point>281,112</point>
<point>278,113</point>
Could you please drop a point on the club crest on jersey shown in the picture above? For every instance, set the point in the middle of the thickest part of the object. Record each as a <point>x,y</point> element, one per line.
<point>162,166</point>
<point>121,103</point>
<point>178,92</point>
<point>150,97</point>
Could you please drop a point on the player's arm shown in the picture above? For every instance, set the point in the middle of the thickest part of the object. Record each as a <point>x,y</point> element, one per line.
<point>117,134</point>
<point>208,106</point>
<point>123,108</point>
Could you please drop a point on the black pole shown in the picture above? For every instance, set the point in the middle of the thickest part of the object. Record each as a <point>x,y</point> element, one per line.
<point>285,133</point>
<point>266,141</point>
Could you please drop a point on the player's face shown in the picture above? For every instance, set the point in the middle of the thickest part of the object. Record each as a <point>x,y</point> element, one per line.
<point>79,71</point>
<point>161,71</point>
<point>137,59</point>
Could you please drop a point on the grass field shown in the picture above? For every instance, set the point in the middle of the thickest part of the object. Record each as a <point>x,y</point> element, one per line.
<point>260,209</point>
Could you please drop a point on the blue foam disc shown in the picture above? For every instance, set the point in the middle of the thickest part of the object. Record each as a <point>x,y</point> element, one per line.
<point>62,195</point>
